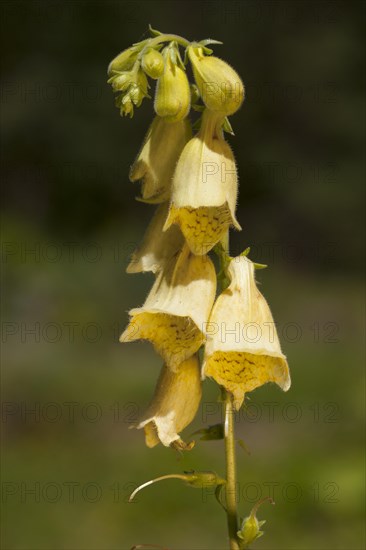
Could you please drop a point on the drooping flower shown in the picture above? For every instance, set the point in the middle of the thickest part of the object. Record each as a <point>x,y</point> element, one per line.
<point>174,405</point>
<point>242,350</point>
<point>158,157</point>
<point>158,247</point>
<point>173,94</point>
<point>205,187</point>
<point>220,86</point>
<point>177,308</point>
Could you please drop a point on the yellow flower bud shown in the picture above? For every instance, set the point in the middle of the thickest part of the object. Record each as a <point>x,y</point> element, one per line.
<point>242,350</point>
<point>125,105</point>
<point>177,308</point>
<point>158,247</point>
<point>220,86</point>
<point>153,63</point>
<point>250,531</point>
<point>133,85</point>
<point>173,95</point>
<point>174,405</point>
<point>138,89</point>
<point>158,157</point>
<point>120,81</point>
<point>125,60</point>
<point>205,187</point>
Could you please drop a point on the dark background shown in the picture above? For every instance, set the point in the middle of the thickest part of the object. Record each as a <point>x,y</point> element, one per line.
<point>69,223</point>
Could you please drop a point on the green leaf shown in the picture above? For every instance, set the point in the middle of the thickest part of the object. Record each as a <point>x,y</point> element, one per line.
<point>242,444</point>
<point>211,433</point>
<point>218,492</point>
<point>207,51</point>
<point>227,127</point>
<point>197,124</point>
<point>245,252</point>
<point>154,32</point>
<point>198,109</point>
<point>209,41</point>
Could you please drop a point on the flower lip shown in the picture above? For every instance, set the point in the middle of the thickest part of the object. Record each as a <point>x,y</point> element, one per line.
<point>177,308</point>
<point>174,337</point>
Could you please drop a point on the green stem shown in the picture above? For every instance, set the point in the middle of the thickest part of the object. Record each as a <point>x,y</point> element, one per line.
<point>225,243</point>
<point>164,38</point>
<point>231,489</point>
<point>170,38</point>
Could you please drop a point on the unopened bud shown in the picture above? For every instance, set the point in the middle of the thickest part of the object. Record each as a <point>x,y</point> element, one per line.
<point>173,96</point>
<point>125,105</point>
<point>125,60</point>
<point>250,527</point>
<point>120,82</point>
<point>138,89</point>
<point>220,86</point>
<point>201,480</point>
<point>250,530</point>
<point>153,63</point>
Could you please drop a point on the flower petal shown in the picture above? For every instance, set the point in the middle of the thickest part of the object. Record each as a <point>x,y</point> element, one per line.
<point>174,405</point>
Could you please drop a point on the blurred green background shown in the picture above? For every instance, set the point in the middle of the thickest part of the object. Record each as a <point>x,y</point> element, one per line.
<point>69,223</point>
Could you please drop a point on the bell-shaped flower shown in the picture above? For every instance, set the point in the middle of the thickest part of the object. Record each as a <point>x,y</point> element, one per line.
<point>157,247</point>
<point>242,350</point>
<point>205,187</point>
<point>177,308</point>
<point>174,405</point>
<point>158,157</point>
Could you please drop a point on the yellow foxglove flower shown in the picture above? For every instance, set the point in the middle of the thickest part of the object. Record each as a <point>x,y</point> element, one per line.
<point>158,246</point>
<point>220,86</point>
<point>174,405</point>
<point>242,350</point>
<point>205,187</point>
<point>158,157</point>
<point>173,94</point>
<point>177,308</point>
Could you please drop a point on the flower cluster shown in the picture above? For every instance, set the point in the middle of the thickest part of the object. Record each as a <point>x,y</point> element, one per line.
<point>194,183</point>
